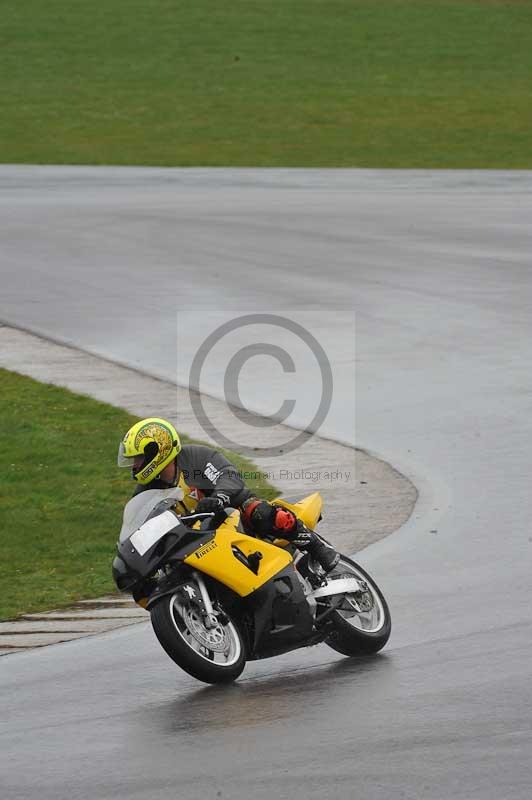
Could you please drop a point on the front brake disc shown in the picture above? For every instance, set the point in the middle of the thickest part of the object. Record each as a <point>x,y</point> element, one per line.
<point>212,638</point>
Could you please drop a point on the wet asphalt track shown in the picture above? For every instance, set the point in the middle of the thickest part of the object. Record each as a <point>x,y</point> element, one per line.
<point>437,268</point>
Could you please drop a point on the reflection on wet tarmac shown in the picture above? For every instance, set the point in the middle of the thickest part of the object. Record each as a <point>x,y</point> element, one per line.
<point>259,700</point>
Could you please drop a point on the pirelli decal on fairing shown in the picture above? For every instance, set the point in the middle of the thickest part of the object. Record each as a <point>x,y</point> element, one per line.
<point>205,549</point>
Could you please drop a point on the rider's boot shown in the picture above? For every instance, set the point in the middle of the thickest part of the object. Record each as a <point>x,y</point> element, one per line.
<point>318,548</point>
<point>324,553</point>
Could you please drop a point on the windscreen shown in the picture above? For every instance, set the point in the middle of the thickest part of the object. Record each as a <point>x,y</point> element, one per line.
<point>141,506</point>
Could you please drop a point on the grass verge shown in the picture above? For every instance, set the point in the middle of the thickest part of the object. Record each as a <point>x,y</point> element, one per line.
<point>61,496</point>
<point>332,83</point>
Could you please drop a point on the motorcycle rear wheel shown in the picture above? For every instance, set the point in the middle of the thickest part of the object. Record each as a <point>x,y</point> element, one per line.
<point>215,655</point>
<point>358,633</point>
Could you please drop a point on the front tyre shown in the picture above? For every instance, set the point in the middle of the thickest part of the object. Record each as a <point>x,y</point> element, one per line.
<point>212,655</point>
<point>362,623</point>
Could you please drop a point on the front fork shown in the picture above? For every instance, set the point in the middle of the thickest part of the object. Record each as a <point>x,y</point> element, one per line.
<point>210,620</point>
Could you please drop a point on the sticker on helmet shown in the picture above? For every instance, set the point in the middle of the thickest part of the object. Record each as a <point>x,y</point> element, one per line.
<point>158,433</point>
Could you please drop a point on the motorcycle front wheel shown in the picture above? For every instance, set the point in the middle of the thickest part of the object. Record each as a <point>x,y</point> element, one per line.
<point>362,623</point>
<point>212,655</point>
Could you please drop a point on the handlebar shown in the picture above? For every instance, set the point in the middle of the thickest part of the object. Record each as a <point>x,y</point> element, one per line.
<point>195,517</point>
<point>204,517</point>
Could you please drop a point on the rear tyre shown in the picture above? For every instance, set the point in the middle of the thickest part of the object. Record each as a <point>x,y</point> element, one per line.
<point>212,655</point>
<point>362,624</point>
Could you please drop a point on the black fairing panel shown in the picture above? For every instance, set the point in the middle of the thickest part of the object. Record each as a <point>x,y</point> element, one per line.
<point>124,579</point>
<point>282,616</point>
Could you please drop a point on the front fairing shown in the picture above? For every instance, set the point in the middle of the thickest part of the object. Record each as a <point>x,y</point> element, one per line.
<point>144,555</point>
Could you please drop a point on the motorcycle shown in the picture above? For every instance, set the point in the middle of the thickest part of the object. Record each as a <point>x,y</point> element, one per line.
<point>218,597</point>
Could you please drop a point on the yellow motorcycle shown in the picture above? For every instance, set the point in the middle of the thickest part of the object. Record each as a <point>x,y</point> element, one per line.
<point>218,597</point>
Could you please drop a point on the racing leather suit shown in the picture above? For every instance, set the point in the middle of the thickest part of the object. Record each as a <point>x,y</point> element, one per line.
<point>204,472</point>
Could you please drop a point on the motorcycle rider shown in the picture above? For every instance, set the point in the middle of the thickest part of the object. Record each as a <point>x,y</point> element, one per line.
<point>209,483</point>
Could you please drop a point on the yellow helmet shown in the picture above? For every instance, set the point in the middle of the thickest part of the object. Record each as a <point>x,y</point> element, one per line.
<point>155,439</point>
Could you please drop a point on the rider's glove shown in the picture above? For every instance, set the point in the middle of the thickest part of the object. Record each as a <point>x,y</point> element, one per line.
<point>210,505</point>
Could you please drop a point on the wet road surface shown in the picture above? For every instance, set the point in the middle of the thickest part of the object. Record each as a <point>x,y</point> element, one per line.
<point>435,270</point>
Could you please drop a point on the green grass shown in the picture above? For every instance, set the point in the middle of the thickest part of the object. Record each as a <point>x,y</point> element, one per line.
<point>61,494</point>
<point>335,83</point>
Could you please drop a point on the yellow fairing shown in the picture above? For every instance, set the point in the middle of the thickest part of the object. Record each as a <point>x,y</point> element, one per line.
<point>216,559</point>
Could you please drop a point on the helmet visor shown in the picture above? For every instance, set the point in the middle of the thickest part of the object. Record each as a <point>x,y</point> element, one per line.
<point>123,460</point>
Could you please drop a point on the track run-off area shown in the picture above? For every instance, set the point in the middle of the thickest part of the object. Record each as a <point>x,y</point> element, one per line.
<point>418,286</point>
